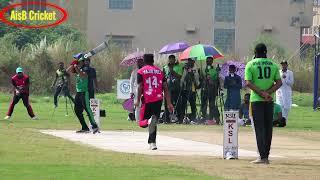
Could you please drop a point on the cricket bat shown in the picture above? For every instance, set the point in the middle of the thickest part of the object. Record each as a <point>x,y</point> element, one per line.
<point>97,49</point>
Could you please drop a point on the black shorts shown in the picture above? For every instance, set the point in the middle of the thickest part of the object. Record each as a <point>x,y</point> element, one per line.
<point>150,109</point>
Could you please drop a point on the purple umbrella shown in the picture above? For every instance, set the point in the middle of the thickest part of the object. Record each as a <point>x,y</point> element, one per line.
<point>128,105</point>
<point>240,70</point>
<point>132,59</point>
<point>174,48</point>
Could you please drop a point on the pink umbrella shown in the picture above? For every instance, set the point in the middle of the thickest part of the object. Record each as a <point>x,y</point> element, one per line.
<point>128,105</point>
<point>132,59</point>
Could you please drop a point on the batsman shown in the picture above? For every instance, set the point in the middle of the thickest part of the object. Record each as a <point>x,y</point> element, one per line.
<point>82,97</point>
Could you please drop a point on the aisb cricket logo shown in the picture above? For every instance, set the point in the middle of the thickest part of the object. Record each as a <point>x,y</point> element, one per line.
<point>33,15</point>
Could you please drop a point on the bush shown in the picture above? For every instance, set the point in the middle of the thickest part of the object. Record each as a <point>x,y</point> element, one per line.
<point>40,62</point>
<point>108,68</point>
<point>302,67</point>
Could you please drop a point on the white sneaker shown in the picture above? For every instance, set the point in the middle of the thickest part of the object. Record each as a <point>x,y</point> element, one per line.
<point>260,161</point>
<point>7,117</point>
<point>153,146</point>
<point>35,118</point>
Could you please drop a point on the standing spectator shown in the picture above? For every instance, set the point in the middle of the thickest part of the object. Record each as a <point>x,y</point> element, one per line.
<point>233,84</point>
<point>92,78</point>
<point>152,85</point>
<point>134,88</point>
<point>209,91</point>
<point>21,85</point>
<point>263,78</point>
<point>63,79</point>
<point>284,94</point>
<point>173,72</point>
<point>190,83</point>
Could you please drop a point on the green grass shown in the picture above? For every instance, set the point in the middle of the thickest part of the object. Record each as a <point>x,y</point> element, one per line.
<point>27,154</point>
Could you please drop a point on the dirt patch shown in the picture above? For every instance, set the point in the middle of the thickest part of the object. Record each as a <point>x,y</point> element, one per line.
<point>284,169</point>
<point>300,149</point>
<point>300,145</point>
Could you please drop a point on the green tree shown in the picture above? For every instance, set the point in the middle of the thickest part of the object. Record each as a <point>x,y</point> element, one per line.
<point>275,48</point>
<point>4,3</point>
<point>22,37</point>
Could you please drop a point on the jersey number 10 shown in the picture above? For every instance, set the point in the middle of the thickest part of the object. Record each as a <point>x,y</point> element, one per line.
<point>264,73</point>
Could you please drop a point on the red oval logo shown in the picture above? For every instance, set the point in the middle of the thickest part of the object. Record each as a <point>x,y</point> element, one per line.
<point>32,15</point>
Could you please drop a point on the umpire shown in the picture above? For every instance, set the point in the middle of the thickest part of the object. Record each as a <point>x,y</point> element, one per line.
<point>263,78</point>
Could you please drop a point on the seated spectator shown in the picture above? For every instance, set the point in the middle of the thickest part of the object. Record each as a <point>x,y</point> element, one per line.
<point>278,120</point>
<point>244,110</point>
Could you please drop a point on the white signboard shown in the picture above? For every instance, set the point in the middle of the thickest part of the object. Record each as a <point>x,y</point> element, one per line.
<point>95,108</point>
<point>230,136</point>
<point>123,89</point>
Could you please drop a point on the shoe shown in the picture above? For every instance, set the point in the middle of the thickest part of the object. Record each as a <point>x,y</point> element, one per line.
<point>193,123</point>
<point>35,118</point>
<point>95,130</point>
<point>83,131</point>
<point>186,120</point>
<point>261,161</point>
<point>7,117</point>
<point>153,146</point>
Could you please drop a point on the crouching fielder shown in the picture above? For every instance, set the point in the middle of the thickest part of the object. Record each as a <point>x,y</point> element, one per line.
<point>151,84</point>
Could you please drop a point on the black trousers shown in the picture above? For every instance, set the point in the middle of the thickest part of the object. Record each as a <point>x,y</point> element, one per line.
<point>177,103</point>
<point>152,109</point>
<point>65,91</point>
<point>208,96</point>
<point>82,103</point>
<point>191,97</point>
<point>26,103</point>
<point>91,93</point>
<point>262,113</point>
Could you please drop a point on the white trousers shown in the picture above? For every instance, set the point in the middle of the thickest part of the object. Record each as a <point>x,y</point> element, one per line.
<point>137,113</point>
<point>285,112</point>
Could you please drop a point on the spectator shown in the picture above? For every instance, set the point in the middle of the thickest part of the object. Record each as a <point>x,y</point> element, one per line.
<point>173,72</point>
<point>21,85</point>
<point>189,84</point>
<point>284,94</point>
<point>244,110</point>
<point>134,89</point>
<point>209,91</point>
<point>233,84</point>
<point>278,120</point>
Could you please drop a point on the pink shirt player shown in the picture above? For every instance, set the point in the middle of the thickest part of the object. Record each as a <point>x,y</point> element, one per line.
<point>152,83</point>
